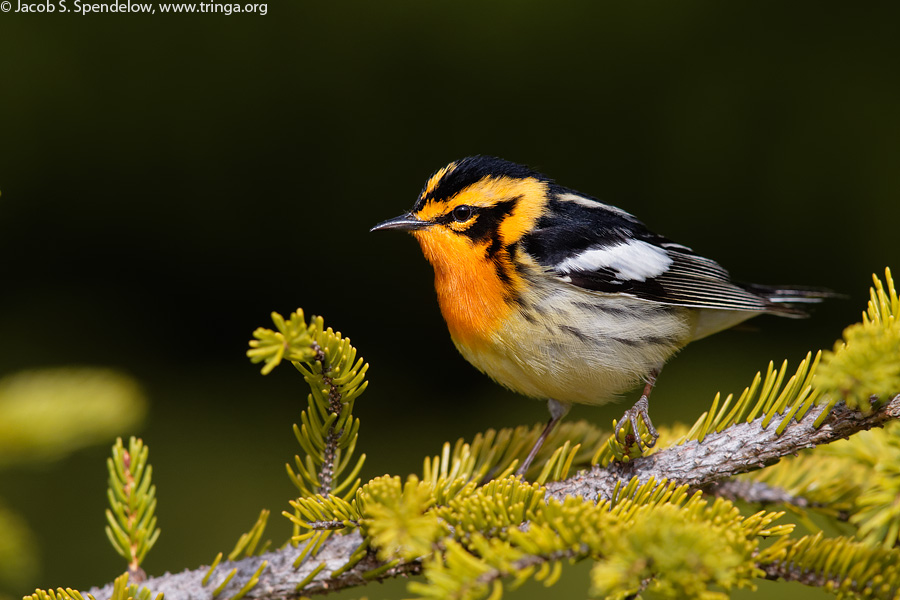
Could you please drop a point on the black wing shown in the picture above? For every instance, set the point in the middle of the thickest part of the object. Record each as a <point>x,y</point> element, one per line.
<point>602,248</point>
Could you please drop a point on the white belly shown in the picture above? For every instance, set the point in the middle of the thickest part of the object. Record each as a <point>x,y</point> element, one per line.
<point>586,349</point>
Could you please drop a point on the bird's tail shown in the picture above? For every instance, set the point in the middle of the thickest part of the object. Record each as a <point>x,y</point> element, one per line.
<point>789,301</point>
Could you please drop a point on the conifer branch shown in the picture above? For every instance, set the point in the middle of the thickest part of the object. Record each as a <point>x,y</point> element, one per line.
<point>763,494</point>
<point>844,566</point>
<point>472,529</point>
<point>132,529</point>
<point>755,492</point>
<point>776,571</point>
<point>326,471</point>
<point>738,449</point>
<point>280,578</point>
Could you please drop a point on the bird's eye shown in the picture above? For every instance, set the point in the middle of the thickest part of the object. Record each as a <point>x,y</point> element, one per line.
<point>462,213</point>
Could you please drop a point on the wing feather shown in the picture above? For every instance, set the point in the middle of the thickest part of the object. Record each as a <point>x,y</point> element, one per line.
<point>598,247</point>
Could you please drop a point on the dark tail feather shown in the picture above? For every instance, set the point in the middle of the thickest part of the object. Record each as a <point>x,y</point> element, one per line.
<point>790,301</point>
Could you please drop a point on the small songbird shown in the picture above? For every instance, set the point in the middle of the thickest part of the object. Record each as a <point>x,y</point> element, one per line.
<point>558,296</point>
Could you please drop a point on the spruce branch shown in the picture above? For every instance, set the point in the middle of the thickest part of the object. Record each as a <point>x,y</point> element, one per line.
<point>866,362</point>
<point>763,494</point>
<point>132,526</point>
<point>754,492</point>
<point>473,530</point>
<point>693,463</point>
<point>332,437</point>
<point>844,566</point>
<point>280,578</point>
<point>328,431</point>
<point>738,449</point>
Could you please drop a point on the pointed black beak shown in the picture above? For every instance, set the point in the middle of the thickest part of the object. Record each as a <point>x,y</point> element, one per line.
<point>405,222</point>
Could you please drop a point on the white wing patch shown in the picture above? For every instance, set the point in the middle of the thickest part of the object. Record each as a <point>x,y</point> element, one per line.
<point>634,260</point>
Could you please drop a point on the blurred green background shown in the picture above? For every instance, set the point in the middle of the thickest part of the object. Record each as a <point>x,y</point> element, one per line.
<point>169,180</point>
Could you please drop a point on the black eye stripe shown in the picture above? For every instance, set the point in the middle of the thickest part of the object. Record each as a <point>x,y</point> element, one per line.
<point>487,222</point>
<point>489,219</point>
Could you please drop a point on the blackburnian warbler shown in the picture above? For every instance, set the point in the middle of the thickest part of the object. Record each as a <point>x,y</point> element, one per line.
<point>558,296</point>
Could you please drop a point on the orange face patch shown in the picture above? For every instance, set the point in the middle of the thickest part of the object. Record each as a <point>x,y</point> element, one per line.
<point>476,289</point>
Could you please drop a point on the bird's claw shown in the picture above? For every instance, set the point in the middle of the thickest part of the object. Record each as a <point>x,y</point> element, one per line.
<point>640,410</point>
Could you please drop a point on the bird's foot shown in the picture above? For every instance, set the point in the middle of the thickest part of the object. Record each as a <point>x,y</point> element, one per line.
<point>640,410</point>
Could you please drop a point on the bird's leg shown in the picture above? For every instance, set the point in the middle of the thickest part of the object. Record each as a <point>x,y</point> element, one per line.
<point>641,409</point>
<point>557,411</point>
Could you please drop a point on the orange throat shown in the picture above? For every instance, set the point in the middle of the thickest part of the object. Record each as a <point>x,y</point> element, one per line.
<point>473,298</point>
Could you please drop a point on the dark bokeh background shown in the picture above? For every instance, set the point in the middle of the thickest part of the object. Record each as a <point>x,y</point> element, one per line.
<point>169,180</point>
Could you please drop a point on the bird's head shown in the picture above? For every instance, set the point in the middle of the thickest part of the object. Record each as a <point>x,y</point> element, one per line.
<point>480,205</point>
